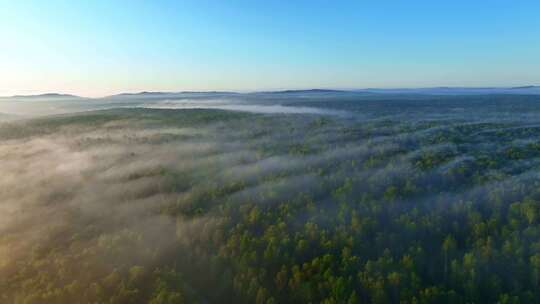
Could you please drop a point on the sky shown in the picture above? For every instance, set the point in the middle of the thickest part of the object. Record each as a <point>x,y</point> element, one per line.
<point>98,48</point>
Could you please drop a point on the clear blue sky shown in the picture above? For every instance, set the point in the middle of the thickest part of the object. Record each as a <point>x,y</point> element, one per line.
<point>96,48</point>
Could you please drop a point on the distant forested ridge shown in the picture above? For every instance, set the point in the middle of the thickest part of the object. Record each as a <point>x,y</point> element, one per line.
<point>404,200</point>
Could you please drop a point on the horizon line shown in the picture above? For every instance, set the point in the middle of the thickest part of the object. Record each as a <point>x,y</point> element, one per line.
<point>352,90</point>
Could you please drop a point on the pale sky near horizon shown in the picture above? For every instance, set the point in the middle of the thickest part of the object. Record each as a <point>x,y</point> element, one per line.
<point>96,48</point>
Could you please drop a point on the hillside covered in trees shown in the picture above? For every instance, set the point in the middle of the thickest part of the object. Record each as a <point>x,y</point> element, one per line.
<point>365,200</point>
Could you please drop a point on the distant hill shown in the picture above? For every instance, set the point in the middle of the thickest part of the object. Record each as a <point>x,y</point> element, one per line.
<point>208,92</point>
<point>147,94</point>
<point>309,91</point>
<point>524,90</point>
<point>46,95</point>
<point>525,87</point>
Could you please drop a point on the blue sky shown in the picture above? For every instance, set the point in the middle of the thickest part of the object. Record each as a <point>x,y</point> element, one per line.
<point>96,48</point>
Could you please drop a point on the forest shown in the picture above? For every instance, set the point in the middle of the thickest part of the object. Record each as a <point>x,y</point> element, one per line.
<point>362,199</point>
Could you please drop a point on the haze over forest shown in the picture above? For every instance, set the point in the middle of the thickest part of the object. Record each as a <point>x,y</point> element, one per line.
<point>315,196</point>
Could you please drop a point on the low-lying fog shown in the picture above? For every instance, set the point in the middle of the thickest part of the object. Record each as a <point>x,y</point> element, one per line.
<point>25,107</point>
